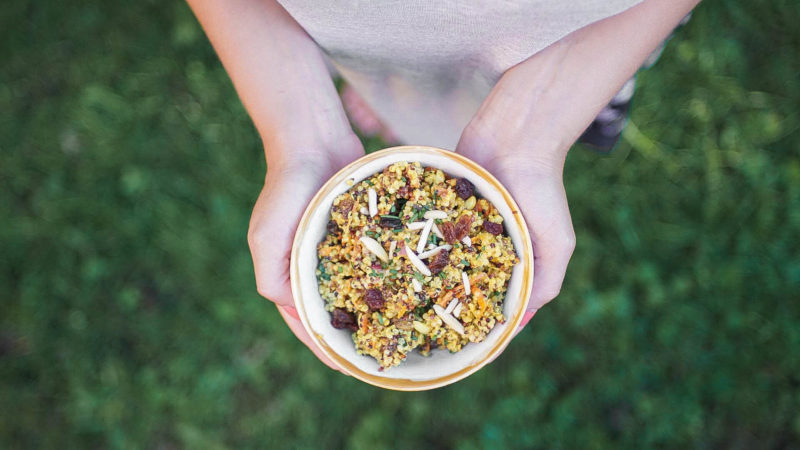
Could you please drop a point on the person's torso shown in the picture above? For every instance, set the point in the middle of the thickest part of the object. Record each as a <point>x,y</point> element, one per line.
<point>424,66</point>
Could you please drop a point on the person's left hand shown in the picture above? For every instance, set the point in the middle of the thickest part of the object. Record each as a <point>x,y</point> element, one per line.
<point>535,182</point>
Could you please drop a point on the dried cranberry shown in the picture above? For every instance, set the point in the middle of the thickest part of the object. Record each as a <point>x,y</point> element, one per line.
<point>493,228</point>
<point>464,188</point>
<point>343,320</point>
<point>374,299</point>
<point>439,261</point>
<point>333,228</point>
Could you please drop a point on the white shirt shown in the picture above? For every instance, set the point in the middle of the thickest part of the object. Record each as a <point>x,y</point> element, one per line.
<point>426,66</point>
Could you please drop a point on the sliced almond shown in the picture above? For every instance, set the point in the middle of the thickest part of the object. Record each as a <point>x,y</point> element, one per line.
<point>416,262</point>
<point>435,214</point>
<point>467,241</point>
<point>432,252</point>
<point>416,285</point>
<point>451,306</point>
<point>372,198</point>
<point>457,311</point>
<point>364,211</point>
<point>449,320</point>
<point>423,237</point>
<point>392,246</point>
<point>417,225</point>
<point>465,280</point>
<point>376,248</point>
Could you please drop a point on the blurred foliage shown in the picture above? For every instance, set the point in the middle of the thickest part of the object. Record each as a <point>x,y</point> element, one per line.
<point>129,312</point>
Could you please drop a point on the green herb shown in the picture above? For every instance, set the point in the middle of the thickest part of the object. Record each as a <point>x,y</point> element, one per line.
<point>340,269</point>
<point>419,276</point>
<point>393,271</point>
<point>322,273</point>
<point>389,216</point>
<point>464,262</point>
<point>372,234</point>
<point>393,209</point>
<point>369,182</point>
<point>441,275</point>
<point>380,319</point>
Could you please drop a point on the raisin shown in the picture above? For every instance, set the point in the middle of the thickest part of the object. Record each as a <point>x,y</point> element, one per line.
<point>462,226</point>
<point>374,299</point>
<point>439,261</point>
<point>333,228</point>
<point>343,320</point>
<point>345,206</point>
<point>405,191</point>
<point>454,232</point>
<point>391,222</point>
<point>448,229</point>
<point>493,228</point>
<point>464,188</point>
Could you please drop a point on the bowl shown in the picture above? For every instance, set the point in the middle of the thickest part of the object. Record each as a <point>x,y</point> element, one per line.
<point>417,372</point>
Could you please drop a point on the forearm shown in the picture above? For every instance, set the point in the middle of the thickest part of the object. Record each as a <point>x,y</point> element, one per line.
<point>549,99</point>
<point>278,72</point>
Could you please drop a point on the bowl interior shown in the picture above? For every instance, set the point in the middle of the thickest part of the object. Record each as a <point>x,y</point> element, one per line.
<point>416,372</point>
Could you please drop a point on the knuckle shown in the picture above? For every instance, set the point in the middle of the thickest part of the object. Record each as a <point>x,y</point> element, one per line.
<point>549,294</point>
<point>570,241</point>
<point>256,234</point>
<point>264,291</point>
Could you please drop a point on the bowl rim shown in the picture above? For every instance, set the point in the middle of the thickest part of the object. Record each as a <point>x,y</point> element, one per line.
<point>401,384</point>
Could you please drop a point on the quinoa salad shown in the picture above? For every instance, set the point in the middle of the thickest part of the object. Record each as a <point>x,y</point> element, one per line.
<point>414,259</point>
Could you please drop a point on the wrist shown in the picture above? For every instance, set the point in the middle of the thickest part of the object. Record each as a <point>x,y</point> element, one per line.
<point>296,150</point>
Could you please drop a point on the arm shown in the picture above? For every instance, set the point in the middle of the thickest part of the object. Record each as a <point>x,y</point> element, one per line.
<point>279,74</point>
<point>281,78</point>
<point>537,110</point>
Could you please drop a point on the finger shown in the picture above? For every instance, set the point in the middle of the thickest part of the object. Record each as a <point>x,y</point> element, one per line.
<point>525,319</point>
<point>551,254</point>
<point>272,227</point>
<point>544,206</point>
<point>297,328</point>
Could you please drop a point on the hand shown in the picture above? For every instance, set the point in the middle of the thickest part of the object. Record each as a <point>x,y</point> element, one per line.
<point>536,184</point>
<point>293,177</point>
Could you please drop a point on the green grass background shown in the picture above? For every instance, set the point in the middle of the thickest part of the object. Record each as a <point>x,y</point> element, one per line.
<point>129,315</point>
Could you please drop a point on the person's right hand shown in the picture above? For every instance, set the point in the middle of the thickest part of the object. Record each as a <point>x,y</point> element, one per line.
<point>293,177</point>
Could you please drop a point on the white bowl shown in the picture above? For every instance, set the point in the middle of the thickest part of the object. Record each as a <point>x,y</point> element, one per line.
<point>416,372</point>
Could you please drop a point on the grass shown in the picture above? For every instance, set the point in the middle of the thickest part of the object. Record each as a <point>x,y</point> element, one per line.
<point>129,312</point>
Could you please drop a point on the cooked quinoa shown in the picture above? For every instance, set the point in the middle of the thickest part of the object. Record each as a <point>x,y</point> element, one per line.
<point>397,294</point>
